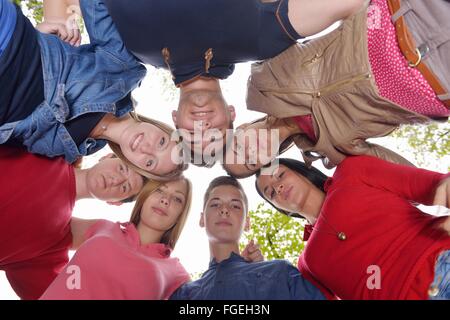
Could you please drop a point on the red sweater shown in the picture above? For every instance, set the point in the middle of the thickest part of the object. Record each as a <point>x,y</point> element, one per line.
<point>370,201</point>
<point>37,196</point>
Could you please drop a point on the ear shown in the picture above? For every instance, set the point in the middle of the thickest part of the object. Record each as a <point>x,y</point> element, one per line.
<point>232,112</point>
<point>108,156</point>
<point>201,223</point>
<point>247,223</point>
<point>174,118</point>
<point>114,203</point>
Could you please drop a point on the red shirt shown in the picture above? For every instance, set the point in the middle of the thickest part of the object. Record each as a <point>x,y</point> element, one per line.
<point>370,201</point>
<point>37,196</point>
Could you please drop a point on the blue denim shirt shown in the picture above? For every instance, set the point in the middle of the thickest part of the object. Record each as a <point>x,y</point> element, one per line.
<point>78,80</point>
<point>237,279</point>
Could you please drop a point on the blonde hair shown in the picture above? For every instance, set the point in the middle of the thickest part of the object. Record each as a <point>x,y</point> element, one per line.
<point>170,237</point>
<point>164,127</point>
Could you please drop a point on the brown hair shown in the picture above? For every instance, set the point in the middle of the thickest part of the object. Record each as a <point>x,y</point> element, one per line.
<point>225,181</point>
<point>170,237</point>
<point>164,127</point>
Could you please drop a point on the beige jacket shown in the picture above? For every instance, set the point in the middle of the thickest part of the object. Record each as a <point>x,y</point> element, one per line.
<point>330,78</point>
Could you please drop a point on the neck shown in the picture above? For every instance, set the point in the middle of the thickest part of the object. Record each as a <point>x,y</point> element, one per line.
<point>286,127</point>
<point>148,235</point>
<point>111,128</point>
<point>201,83</point>
<point>313,207</point>
<point>222,251</point>
<point>81,184</point>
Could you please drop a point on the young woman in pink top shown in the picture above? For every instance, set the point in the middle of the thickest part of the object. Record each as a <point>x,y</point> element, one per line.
<point>129,260</point>
<point>331,94</point>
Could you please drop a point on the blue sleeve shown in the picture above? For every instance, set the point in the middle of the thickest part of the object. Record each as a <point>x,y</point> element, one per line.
<point>8,17</point>
<point>103,32</point>
<point>182,293</point>
<point>300,288</point>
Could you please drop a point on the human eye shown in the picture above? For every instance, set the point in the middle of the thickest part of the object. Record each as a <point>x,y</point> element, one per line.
<point>150,163</point>
<point>272,194</point>
<point>162,142</point>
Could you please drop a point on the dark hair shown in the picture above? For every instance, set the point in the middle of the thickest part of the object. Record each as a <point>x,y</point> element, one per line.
<point>315,176</point>
<point>225,181</point>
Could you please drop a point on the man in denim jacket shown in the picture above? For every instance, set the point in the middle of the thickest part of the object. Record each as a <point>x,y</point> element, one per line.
<point>230,276</point>
<point>93,79</point>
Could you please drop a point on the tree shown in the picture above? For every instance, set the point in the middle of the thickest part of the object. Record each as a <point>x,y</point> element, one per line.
<point>427,140</point>
<point>35,8</point>
<point>279,236</point>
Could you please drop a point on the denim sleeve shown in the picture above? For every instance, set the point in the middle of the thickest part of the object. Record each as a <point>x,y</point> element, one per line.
<point>102,30</point>
<point>300,288</point>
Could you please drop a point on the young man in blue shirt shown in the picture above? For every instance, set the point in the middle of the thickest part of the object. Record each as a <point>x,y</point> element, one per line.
<point>230,276</point>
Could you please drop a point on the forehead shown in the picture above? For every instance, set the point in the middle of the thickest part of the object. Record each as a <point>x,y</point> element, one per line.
<point>177,185</point>
<point>226,193</point>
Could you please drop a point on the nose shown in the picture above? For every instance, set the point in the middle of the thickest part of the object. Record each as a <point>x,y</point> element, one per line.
<point>224,211</point>
<point>280,188</point>
<point>146,147</point>
<point>164,201</point>
<point>117,180</point>
<point>200,100</point>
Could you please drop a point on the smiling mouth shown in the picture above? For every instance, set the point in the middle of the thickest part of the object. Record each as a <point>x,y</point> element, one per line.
<point>159,211</point>
<point>134,143</point>
<point>201,114</point>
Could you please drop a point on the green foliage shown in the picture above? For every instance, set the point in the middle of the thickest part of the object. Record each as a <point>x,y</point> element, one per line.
<point>279,236</point>
<point>35,8</point>
<point>433,139</point>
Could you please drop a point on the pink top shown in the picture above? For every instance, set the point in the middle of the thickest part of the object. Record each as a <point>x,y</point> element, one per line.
<point>112,264</point>
<point>397,81</point>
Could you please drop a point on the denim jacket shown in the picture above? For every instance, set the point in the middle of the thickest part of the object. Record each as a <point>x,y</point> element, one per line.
<point>78,80</point>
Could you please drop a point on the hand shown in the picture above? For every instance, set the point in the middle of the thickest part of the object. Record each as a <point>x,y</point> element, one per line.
<point>442,195</point>
<point>252,252</point>
<point>67,34</point>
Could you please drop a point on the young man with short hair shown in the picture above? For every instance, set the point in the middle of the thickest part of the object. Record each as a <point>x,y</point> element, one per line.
<point>230,277</point>
<point>37,196</point>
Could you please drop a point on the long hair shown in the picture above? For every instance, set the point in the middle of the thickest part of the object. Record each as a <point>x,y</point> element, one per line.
<point>315,176</point>
<point>164,127</point>
<point>170,237</point>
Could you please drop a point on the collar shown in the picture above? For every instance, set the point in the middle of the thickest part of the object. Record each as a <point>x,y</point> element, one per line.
<point>234,257</point>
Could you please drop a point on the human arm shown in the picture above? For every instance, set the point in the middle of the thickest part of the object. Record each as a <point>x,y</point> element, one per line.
<point>60,18</point>
<point>413,184</point>
<point>79,228</point>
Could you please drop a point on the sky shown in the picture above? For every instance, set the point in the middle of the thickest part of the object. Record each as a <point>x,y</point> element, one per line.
<point>156,102</point>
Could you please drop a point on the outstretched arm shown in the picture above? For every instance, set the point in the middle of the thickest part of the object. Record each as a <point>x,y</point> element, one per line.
<point>79,227</point>
<point>309,17</point>
<point>60,18</point>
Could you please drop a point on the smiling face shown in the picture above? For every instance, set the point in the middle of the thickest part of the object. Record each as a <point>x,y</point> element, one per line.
<point>112,180</point>
<point>253,147</point>
<point>201,109</point>
<point>286,189</point>
<point>149,148</point>
<point>224,215</point>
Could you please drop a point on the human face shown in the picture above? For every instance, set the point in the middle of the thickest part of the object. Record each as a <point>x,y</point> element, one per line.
<point>203,117</point>
<point>253,147</point>
<point>164,206</point>
<point>286,189</point>
<point>112,180</point>
<point>149,148</point>
<point>224,215</point>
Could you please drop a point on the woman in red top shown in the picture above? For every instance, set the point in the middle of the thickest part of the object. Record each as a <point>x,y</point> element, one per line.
<point>368,239</point>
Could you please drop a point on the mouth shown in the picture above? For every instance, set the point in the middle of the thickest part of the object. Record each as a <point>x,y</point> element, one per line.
<point>159,211</point>
<point>223,224</point>
<point>134,143</point>
<point>201,115</point>
<point>287,193</point>
<point>102,181</point>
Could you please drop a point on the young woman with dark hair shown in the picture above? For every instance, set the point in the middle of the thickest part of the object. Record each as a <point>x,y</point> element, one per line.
<point>364,219</point>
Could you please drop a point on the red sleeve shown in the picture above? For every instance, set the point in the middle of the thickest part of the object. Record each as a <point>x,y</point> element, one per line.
<point>101,224</point>
<point>303,268</point>
<point>414,184</point>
